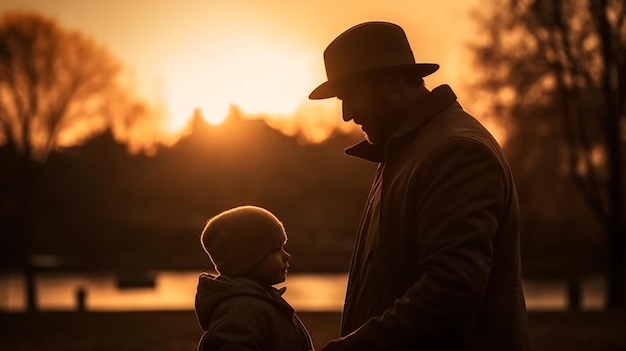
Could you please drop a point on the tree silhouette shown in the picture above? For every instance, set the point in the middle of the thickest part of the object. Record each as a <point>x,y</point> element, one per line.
<point>568,57</point>
<point>56,87</point>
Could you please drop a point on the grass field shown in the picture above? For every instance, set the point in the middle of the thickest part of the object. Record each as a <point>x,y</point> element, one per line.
<point>179,331</point>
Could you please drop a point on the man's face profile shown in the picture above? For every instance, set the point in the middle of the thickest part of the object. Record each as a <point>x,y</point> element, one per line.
<point>367,104</point>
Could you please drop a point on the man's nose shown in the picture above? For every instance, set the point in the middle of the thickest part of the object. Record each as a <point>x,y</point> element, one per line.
<point>346,112</point>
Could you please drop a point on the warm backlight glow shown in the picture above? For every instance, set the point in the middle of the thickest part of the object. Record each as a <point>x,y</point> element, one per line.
<point>252,72</point>
<point>262,56</point>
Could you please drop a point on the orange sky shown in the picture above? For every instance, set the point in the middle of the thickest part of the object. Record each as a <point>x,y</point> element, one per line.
<point>264,56</point>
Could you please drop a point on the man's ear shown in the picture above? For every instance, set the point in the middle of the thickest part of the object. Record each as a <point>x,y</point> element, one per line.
<point>394,81</point>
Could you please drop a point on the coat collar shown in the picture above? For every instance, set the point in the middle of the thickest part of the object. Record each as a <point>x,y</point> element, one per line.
<point>435,102</point>
<point>273,293</point>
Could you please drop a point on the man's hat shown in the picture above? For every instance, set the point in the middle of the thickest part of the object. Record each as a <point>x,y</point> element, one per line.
<point>364,47</point>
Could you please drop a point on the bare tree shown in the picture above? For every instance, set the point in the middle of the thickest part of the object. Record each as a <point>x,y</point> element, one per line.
<point>55,88</point>
<point>571,56</point>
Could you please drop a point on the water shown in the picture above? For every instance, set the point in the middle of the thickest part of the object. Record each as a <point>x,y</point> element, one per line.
<point>175,290</point>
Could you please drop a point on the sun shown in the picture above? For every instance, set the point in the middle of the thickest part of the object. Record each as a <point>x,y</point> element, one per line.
<point>253,72</point>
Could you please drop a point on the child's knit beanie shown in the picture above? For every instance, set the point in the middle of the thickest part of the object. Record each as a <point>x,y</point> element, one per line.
<point>237,239</point>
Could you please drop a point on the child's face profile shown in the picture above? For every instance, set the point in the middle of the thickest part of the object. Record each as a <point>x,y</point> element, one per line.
<point>272,269</point>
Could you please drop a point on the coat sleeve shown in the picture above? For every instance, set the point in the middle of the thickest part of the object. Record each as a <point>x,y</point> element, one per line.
<point>232,330</point>
<point>461,190</point>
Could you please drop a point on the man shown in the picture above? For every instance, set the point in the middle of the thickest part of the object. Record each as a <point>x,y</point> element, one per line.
<point>436,265</point>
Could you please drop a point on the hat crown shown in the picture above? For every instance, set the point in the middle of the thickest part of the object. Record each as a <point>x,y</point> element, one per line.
<point>238,238</point>
<point>367,46</point>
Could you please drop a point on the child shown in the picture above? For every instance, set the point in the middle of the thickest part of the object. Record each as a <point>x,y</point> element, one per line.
<point>239,309</point>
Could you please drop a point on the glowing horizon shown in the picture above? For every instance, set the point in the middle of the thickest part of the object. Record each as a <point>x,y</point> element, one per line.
<point>262,56</point>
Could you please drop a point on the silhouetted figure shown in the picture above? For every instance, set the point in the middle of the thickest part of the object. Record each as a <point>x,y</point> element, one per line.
<point>436,265</point>
<point>240,309</point>
<point>81,299</point>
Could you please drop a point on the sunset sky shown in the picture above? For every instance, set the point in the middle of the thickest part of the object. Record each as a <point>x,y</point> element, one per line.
<point>264,56</point>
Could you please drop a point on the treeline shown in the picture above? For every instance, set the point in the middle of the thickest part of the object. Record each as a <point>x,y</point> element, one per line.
<point>97,206</point>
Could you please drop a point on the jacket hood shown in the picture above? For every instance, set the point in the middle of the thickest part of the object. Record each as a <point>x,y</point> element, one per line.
<point>213,290</point>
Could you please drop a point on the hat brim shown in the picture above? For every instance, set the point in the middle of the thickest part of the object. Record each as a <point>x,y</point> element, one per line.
<point>331,87</point>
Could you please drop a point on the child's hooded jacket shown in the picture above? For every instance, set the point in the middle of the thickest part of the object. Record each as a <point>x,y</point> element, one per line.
<point>239,314</point>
